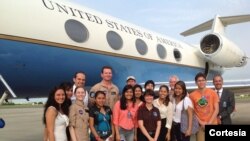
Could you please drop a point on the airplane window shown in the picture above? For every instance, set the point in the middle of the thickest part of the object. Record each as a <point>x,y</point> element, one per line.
<point>76,31</point>
<point>114,40</point>
<point>177,55</point>
<point>161,51</point>
<point>141,46</point>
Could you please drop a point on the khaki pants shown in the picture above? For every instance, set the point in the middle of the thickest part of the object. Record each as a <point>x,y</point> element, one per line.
<point>200,135</point>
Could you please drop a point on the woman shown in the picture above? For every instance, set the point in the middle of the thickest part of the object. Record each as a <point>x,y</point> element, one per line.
<point>149,119</point>
<point>68,88</point>
<point>180,96</point>
<point>137,90</point>
<point>166,112</point>
<point>124,115</point>
<point>100,119</point>
<point>55,116</point>
<point>79,117</point>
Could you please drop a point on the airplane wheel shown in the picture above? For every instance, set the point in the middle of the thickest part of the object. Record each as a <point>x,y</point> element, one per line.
<point>2,123</point>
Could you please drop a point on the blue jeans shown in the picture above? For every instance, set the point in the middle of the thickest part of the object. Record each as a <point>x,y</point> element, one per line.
<point>126,135</point>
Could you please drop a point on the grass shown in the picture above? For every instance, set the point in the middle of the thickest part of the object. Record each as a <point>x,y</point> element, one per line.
<point>21,106</point>
<point>238,99</point>
<point>242,99</point>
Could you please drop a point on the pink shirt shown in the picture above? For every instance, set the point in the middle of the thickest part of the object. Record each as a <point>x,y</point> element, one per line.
<point>125,118</point>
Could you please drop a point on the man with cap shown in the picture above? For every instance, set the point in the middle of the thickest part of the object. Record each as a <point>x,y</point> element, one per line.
<point>131,80</point>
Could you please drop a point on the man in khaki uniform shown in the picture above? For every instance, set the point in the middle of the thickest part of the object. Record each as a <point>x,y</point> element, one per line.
<point>106,85</point>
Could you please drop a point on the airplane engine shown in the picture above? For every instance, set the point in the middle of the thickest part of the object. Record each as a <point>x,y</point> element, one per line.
<point>221,51</point>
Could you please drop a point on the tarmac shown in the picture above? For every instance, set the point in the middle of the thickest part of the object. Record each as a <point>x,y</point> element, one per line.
<point>25,123</point>
<point>22,124</point>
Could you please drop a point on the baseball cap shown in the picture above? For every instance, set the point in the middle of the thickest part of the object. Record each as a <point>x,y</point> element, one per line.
<point>131,77</point>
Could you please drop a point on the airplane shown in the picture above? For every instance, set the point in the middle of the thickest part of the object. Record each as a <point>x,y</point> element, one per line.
<point>44,42</point>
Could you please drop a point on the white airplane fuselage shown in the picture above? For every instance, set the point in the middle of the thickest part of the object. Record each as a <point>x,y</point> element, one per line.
<point>44,42</point>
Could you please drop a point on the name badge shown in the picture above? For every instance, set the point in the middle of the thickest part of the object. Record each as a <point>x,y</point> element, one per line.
<point>92,94</point>
<point>155,114</point>
<point>80,112</point>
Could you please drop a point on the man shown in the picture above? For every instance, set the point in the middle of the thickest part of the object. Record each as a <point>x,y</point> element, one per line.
<point>150,85</point>
<point>227,101</point>
<point>172,81</point>
<point>79,80</point>
<point>131,80</point>
<point>106,85</point>
<point>206,105</point>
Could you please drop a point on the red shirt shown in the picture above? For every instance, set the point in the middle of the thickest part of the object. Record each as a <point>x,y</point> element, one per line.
<point>125,118</point>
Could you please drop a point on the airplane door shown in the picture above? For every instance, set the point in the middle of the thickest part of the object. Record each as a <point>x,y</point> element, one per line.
<point>206,69</point>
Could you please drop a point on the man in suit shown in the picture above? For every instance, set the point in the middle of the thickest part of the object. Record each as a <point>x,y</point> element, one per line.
<point>227,101</point>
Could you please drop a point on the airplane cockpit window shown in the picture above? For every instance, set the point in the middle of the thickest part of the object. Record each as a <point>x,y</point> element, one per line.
<point>114,40</point>
<point>76,31</point>
<point>141,46</point>
<point>177,55</point>
<point>162,53</point>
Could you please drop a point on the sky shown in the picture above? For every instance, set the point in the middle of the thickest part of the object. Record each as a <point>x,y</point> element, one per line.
<point>171,17</point>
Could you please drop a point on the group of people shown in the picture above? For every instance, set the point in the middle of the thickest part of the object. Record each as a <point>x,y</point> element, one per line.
<point>137,114</point>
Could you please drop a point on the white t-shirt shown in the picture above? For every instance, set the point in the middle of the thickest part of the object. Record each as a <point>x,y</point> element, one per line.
<point>165,112</point>
<point>178,108</point>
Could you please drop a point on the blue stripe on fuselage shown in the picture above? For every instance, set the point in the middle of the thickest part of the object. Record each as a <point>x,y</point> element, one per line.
<point>33,69</point>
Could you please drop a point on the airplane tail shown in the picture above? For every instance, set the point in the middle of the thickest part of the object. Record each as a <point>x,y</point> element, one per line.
<point>215,46</point>
<point>217,24</point>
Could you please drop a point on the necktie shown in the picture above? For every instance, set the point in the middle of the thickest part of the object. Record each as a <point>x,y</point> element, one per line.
<point>218,92</point>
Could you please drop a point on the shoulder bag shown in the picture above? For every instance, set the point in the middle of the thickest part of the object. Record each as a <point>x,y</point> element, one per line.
<point>184,121</point>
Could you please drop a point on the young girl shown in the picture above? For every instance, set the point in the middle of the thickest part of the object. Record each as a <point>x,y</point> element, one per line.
<point>79,117</point>
<point>124,115</point>
<point>100,119</point>
<point>149,119</point>
<point>166,111</point>
<point>180,96</point>
<point>67,86</point>
<point>137,90</point>
<point>55,115</point>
